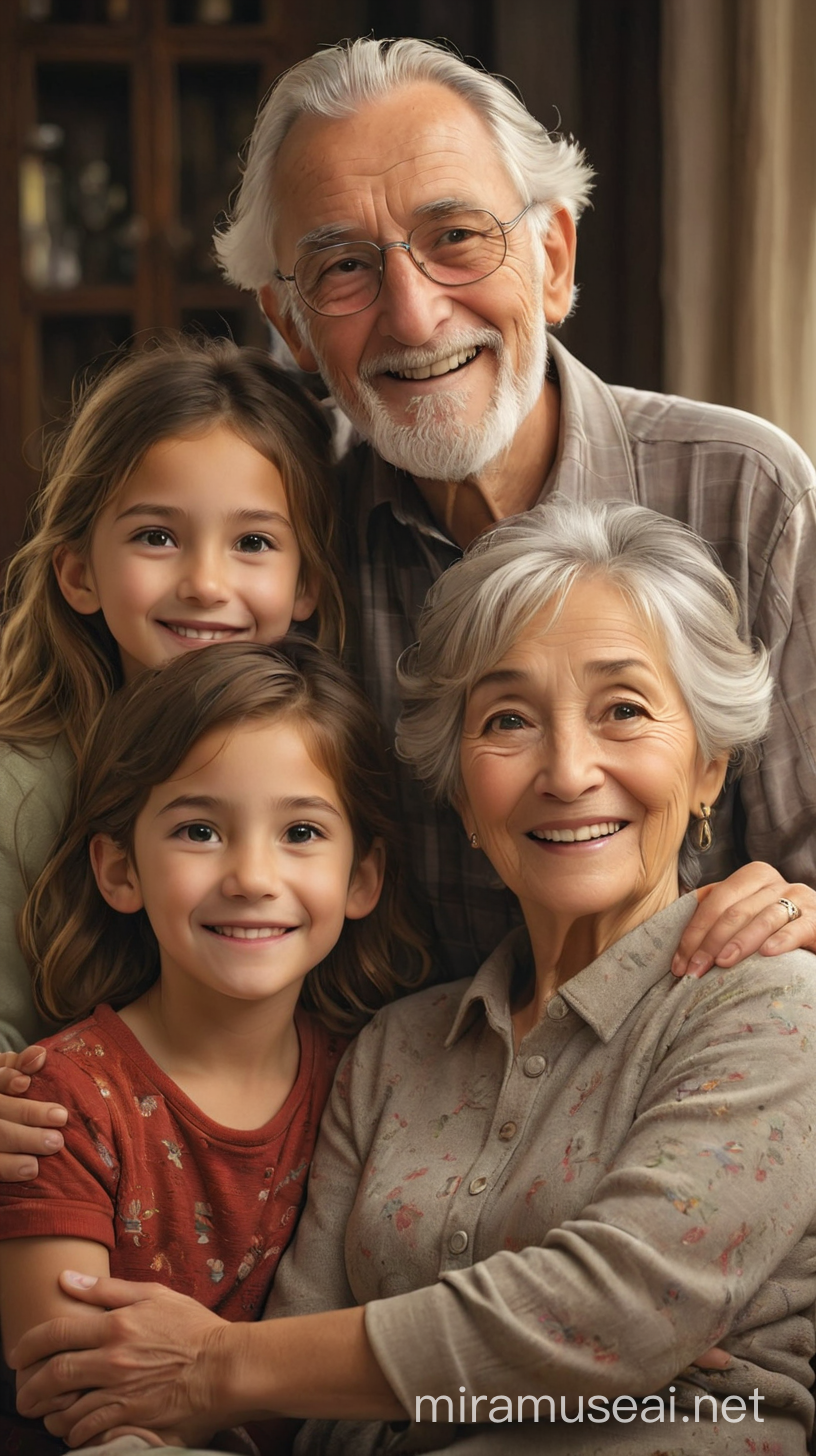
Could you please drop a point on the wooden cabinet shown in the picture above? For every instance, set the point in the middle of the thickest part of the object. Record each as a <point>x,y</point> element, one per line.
<point>121,125</point>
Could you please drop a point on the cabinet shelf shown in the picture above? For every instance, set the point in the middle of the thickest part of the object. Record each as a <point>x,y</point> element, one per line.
<point>120,137</point>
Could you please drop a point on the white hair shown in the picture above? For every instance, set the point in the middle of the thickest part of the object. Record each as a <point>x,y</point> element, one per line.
<point>478,608</point>
<point>335,83</point>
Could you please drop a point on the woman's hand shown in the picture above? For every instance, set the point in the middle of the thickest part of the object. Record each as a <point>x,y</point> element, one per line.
<point>28,1129</point>
<point>149,1359</point>
<point>742,915</point>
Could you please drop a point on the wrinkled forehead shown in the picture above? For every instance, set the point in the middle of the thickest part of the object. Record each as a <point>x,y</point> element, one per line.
<point>392,159</point>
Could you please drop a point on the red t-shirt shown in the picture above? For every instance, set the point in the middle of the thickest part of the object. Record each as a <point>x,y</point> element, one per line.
<point>174,1196</point>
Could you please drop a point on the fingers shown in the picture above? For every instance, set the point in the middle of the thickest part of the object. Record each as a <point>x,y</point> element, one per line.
<point>734,919</point>
<point>30,1059</point>
<point>93,1414</point>
<point>715,1359</point>
<point>26,1112</point>
<point>110,1293</point>
<point>769,929</point>
<point>57,1376</point>
<point>27,1127</point>
<point>28,1130</point>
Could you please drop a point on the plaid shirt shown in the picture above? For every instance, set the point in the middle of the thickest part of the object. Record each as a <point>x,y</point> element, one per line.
<point>742,485</point>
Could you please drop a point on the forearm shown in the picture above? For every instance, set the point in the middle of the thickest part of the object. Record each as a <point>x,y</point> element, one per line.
<point>319,1366</point>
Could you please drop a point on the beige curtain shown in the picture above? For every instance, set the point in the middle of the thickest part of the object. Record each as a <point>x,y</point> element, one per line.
<point>739,285</point>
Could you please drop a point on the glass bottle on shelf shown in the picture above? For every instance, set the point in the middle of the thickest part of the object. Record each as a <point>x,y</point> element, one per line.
<point>49,243</point>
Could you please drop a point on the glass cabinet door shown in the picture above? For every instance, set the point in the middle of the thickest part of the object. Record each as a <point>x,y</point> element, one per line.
<point>122,121</point>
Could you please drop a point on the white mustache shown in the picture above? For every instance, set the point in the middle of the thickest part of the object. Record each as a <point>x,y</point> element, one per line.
<point>397,360</point>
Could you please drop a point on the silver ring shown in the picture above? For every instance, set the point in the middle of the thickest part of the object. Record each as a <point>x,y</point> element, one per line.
<point>793,911</point>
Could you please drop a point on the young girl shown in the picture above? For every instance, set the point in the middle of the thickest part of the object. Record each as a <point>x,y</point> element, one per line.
<point>189,501</point>
<point>230,860</point>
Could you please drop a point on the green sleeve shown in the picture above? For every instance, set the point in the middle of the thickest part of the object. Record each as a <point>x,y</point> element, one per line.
<point>34,792</point>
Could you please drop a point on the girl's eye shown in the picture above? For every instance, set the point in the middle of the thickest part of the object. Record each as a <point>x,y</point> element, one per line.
<point>504,722</point>
<point>253,543</point>
<point>302,834</point>
<point>155,536</point>
<point>197,834</point>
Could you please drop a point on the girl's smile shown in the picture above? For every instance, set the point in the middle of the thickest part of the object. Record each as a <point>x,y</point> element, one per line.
<point>196,547</point>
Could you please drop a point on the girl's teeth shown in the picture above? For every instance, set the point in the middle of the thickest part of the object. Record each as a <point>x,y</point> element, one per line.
<point>577,836</point>
<point>200,634</point>
<point>249,932</point>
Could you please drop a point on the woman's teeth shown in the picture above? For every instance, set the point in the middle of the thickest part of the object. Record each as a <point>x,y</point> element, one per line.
<point>577,836</point>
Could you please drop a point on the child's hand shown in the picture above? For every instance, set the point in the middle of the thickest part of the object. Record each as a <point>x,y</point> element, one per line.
<point>28,1129</point>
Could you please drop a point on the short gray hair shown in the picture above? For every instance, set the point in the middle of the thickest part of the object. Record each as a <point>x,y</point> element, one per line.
<point>334,83</point>
<point>477,609</point>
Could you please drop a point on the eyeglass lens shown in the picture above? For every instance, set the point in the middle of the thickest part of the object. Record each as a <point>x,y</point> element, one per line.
<point>457,249</point>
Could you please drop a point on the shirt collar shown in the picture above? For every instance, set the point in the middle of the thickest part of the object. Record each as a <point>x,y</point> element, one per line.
<point>604,994</point>
<point>593,458</point>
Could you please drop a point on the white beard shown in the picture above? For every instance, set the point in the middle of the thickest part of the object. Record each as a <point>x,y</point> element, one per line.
<point>437,445</point>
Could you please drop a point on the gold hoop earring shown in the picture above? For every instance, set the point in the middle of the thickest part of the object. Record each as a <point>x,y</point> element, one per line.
<point>705,838</point>
<point>474,841</point>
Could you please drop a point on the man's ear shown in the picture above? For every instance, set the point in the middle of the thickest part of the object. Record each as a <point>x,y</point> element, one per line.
<point>75,580</point>
<point>288,328</point>
<point>366,883</point>
<point>115,875</point>
<point>559,276</point>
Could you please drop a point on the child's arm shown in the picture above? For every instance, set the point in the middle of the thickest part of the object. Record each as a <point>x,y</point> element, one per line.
<point>29,1287</point>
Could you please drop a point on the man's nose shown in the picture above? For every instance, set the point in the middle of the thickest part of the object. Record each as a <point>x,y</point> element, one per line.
<point>411,305</point>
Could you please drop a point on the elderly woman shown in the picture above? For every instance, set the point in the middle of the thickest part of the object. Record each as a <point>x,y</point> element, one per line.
<point>539,1195</point>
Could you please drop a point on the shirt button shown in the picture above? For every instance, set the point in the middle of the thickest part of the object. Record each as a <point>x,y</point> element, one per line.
<point>458,1242</point>
<point>478,1185</point>
<point>557,1009</point>
<point>507,1131</point>
<point>534,1066</point>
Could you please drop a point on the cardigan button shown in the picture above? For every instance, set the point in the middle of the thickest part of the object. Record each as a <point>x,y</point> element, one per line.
<point>534,1066</point>
<point>458,1242</point>
<point>557,1009</point>
<point>478,1185</point>
<point>508,1131</point>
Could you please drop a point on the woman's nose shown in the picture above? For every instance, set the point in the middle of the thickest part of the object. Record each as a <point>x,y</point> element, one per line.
<point>570,763</point>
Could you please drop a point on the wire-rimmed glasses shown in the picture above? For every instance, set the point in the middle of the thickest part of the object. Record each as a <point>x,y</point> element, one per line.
<point>454,249</point>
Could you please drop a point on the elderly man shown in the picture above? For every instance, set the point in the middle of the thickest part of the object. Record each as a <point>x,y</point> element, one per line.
<point>410,230</point>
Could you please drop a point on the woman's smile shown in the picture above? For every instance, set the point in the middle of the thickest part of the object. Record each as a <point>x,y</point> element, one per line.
<point>594,831</point>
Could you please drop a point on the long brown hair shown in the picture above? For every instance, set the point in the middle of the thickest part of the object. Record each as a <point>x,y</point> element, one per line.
<point>81,951</point>
<point>58,667</point>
